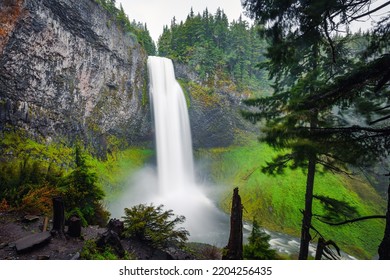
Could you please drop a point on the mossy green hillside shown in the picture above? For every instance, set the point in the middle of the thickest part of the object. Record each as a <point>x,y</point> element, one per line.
<point>117,168</point>
<point>276,201</point>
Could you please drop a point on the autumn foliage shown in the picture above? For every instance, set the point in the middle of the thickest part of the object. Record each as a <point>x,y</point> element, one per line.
<point>39,200</point>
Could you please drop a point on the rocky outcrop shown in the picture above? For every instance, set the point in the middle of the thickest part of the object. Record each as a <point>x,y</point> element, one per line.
<point>67,70</point>
<point>214,112</point>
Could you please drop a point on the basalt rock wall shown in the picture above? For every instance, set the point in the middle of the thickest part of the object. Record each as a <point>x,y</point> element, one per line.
<point>67,70</point>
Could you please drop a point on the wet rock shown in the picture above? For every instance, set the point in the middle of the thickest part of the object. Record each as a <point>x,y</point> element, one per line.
<point>32,242</point>
<point>144,251</point>
<point>30,219</point>
<point>215,116</point>
<point>111,238</point>
<point>117,226</point>
<point>75,256</point>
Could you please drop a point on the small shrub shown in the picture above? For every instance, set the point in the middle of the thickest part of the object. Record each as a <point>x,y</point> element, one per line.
<point>91,251</point>
<point>154,225</point>
<point>76,212</point>
<point>39,200</point>
<point>258,247</point>
<point>4,206</point>
<point>212,253</point>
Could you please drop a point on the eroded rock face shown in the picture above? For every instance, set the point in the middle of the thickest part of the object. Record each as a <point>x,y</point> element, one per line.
<point>215,117</point>
<point>67,70</point>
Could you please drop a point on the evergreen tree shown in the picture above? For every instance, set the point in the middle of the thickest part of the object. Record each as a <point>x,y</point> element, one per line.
<point>258,247</point>
<point>82,194</point>
<point>123,22</point>
<point>154,225</point>
<point>213,47</point>
<point>306,60</point>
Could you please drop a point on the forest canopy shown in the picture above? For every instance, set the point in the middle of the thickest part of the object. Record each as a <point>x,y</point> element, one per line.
<point>215,48</point>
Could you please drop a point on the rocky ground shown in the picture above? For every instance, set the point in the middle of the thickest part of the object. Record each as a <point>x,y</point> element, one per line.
<point>14,226</point>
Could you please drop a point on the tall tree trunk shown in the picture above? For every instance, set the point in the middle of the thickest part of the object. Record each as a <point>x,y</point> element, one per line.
<point>384,247</point>
<point>307,213</point>
<point>234,248</point>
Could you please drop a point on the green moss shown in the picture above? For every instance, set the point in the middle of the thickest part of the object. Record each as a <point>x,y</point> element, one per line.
<point>123,84</point>
<point>276,201</point>
<point>184,86</point>
<point>90,251</point>
<point>203,94</point>
<point>71,86</point>
<point>28,165</point>
<point>145,88</point>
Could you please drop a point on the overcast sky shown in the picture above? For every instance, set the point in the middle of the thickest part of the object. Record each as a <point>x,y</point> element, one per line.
<point>157,13</point>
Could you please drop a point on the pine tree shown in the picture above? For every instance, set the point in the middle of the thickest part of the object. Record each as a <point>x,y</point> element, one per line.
<point>307,62</point>
<point>81,191</point>
<point>213,48</point>
<point>154,225</point>
<point>258,247</point>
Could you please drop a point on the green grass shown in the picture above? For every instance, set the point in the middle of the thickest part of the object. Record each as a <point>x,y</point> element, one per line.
<point>276,201</point>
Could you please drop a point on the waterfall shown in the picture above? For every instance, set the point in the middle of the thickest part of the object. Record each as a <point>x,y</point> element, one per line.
<point>177,187</point>
<point>172,128</point>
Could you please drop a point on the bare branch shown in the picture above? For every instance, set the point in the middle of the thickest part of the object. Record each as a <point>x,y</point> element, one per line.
<point>372,11</point>
<point>380,120</point>
<point>354,220</point>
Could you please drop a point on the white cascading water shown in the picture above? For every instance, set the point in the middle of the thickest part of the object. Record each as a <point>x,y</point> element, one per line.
<point>172,127</point>
<point>177,189</point>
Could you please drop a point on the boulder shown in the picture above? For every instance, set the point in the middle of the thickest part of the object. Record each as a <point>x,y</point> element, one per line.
<point>32,242</point>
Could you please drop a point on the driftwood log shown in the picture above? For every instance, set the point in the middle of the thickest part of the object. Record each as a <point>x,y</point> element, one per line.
<point>233,251</point>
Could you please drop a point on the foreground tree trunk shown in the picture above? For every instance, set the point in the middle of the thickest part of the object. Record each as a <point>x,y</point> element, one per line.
<point>74,226</point>
<point>384,247</point>
<point>234,248</point>
<point>320,248</point>
<point>58,216</point>
<point>307,213</point>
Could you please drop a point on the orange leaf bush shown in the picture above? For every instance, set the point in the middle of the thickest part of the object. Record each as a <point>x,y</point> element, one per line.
<point>39,200</point>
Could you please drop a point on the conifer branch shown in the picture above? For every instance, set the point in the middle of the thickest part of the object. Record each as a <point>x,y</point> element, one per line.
<point>353,220</point>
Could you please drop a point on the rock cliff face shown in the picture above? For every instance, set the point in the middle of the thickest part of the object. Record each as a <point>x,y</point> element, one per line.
<point>67,70</point>
<point>214,112</point>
